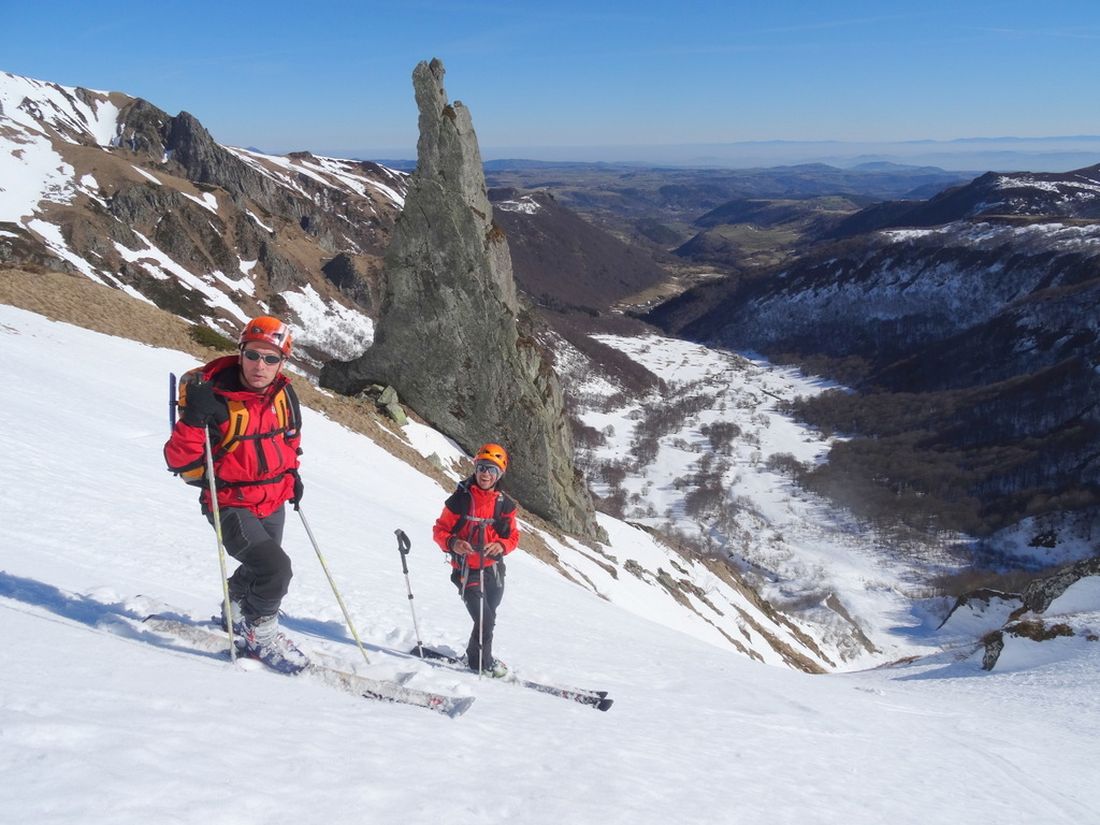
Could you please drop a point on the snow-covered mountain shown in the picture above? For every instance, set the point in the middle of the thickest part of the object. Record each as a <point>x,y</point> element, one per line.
<point>107,186</point>
<point>1068,196</point>
<point>106,722</point>
<point>973,320</point>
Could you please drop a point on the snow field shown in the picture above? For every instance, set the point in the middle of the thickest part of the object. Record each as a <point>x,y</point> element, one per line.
<point>98,726</point>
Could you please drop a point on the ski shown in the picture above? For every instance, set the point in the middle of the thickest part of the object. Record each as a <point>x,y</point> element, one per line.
<point>593,698</point>
<point>386,690</point>
<point>597,699</point>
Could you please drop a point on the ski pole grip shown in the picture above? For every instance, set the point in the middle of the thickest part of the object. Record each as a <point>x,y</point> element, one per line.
<point>403,546</point>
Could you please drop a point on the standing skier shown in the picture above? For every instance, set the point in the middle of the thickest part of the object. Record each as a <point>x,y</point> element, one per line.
<point>478,528</point>
<point>253,418</point>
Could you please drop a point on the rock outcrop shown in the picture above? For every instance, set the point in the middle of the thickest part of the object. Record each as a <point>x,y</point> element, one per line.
<point>1041,592</point>
<point>452,337</point>
<point>1028,620</point>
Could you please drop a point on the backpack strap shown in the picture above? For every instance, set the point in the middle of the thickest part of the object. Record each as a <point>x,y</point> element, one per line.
<point>460,501</point>
<point>503,508</point>
<point>288,410</point>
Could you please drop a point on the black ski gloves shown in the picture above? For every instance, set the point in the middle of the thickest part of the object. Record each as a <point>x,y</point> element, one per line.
<point>299,488</point>
<point>203,406</point>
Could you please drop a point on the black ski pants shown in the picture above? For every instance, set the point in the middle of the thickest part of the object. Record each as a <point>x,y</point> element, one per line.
<point>263,577</point>
<point>471,595</point>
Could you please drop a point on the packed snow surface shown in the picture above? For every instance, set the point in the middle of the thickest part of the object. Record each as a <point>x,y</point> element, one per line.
<point>102,723</point>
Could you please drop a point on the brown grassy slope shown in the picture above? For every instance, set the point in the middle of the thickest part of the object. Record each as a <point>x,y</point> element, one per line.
<point>84,303</point>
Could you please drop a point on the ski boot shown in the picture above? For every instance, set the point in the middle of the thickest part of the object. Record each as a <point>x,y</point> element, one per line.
<point>263,640</point>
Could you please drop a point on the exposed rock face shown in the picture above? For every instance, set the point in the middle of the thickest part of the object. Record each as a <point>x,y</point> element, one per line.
<point>1041,592</point>
<point>452,337</point>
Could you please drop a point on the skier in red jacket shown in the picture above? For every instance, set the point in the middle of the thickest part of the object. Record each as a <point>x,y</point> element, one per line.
<point>478,528</point>
<point>252,414</point>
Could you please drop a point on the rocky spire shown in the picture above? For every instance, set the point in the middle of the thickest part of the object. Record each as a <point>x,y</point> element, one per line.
<point>452,337</point>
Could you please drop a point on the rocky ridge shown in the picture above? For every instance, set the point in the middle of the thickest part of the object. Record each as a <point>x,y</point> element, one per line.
<point>564,263</point>
<point>110,187</point>
<point>1073,195</point>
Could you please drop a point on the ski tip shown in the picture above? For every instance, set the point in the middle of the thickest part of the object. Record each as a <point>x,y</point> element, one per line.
<point>424,652</point>
<point>458,706</point>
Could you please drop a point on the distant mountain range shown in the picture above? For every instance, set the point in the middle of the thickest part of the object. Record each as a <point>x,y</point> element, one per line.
<point>970,321</point>
<point>998,154</point>
<point>1056,153</point>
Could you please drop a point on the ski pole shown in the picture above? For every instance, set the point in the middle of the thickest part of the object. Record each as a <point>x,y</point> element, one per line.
<point>332,584</point>
<point>403,547</point>
<point>479,533</point>
<point>221,545</point>
<point>480,599</point>
<point>172,400</point>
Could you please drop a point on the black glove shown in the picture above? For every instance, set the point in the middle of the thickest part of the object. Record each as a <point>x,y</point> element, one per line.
<point>203,406</point>
<point>299,488</point>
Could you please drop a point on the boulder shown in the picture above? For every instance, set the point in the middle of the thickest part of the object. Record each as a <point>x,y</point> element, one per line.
<point>397,413</point>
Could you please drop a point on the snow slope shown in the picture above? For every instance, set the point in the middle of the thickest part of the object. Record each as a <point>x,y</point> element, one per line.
<point>102,726</point>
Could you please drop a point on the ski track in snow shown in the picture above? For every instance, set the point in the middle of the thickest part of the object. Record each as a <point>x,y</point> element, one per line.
<point>100,726</point>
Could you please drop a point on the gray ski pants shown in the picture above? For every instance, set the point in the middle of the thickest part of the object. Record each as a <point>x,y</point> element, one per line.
<point>263,577</point>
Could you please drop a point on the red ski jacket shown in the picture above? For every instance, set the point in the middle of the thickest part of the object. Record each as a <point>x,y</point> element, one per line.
<point>256,469</point>
<point>470,501</point>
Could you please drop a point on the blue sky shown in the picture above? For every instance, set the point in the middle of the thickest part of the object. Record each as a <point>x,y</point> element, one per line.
<point>334,77</point>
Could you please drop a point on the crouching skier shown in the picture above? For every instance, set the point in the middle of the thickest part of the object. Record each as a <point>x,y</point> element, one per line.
<point>478,528</point>
<point>253,417</point>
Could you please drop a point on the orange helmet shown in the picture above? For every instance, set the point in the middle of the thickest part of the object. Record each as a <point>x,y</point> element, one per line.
<point>494,453</point>
<point>268,330</point>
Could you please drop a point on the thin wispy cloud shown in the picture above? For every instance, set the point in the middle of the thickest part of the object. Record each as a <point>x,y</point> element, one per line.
<point>824,25</point>
<point>1082,33</point>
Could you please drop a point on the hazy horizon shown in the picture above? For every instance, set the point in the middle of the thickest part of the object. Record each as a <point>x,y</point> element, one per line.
<point>1053,153</point>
